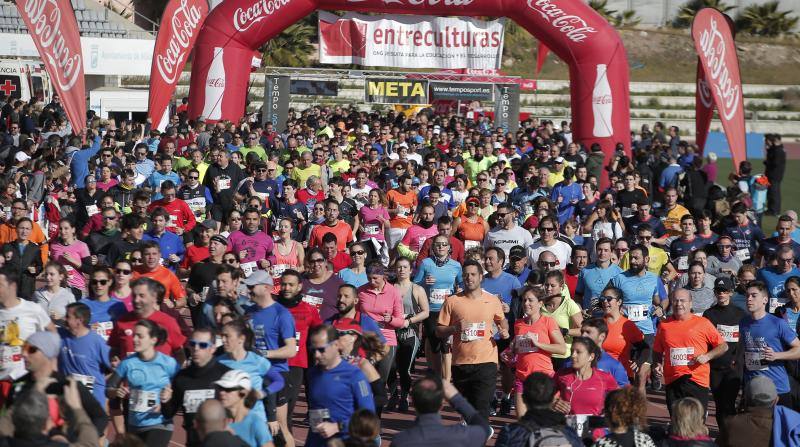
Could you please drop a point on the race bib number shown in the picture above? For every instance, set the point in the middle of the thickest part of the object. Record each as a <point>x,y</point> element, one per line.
<point>297,338</point>
<point>173,221</point>
<point>438,296</point>
<point>264,196</point>
<point>371,229</point>
<point>91,210</point>
<point>10,355</point>
<point>421,240</point>
<point>626,211</point>
<point>87,381</point>
<point>223,183</point>
<point>729,333</point>
<point>475,331</point>
<point>637,312</point>
<point>683,263</point>
<point>143,401</point>
<point>578,422</point>
<point>469,245</point>
<point>524,343</point>
<point>198,204</point>
<point>681,356</point>
<point>402,211</point>
<point>313,300</point>
<point>775,303</point>
<point>754,361</point>
<point>318,416</point>
<point>103,329</point>
<point>743,255</point>
<point>278,269</point>
<point>248,268</point>
<point>193,398</point>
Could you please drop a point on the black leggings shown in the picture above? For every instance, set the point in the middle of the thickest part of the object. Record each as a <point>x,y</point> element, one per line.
<point>154,437</point>
<point>406,354</point>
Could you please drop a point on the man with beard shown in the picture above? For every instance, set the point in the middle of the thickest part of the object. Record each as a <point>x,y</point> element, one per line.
<point>347,304</point>
<point>417,234</point>
<point>507,233</point>
<point>332,224</point>
<point>402,203</point>
<point>228,278</point>
<point>251,244</point>
<point>305,317</point>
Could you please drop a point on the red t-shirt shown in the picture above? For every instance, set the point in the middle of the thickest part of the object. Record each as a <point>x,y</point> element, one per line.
<point>121,338</point>
<point>341,261</point>
<point>305,317</point>
<point>194,254</point>
<point>570,280</point>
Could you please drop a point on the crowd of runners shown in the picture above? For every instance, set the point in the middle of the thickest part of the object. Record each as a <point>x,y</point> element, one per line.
<point>370,263</point>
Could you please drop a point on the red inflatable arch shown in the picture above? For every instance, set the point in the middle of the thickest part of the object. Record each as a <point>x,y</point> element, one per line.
<point>572,30</point>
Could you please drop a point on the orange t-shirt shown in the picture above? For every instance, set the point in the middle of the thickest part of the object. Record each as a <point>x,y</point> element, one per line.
<point>681,342</point>
<point>622,335</point>
<point>342,230</point>
<point>476,344</point>
<point>406,204</point>
<point>469,231</point>
<point>168,279</point>
<point>529,358</point>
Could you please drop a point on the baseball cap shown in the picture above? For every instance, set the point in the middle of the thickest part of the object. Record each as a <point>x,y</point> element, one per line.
<point>474,200</point>
<point>724,283</point>
<point>22,156</point>
<point>437,129</point>
<point>257,278</point>
<point>48,343</point>
<point>211,224</point>
<point>760,391</point>
<point>517,252</point>
<point>220,239</point>
<point>559,160</point>
<point>497,145</point>
<point>235,379</point>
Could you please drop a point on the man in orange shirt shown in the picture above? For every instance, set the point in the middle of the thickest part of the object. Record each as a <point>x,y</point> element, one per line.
<point>684,346</point>
<point>332,224</point>
<point>152,268</point>
<point>402,203</point>
<point>8,231</point>
<point>468,317</point>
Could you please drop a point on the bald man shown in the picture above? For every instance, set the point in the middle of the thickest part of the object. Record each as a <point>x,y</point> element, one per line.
<point>212,426</point>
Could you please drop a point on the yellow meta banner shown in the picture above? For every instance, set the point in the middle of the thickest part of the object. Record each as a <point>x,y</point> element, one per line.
<point>396,91</point>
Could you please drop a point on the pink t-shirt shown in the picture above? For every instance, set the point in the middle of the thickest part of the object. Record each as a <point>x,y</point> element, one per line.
<point>416,236</point>
<point>585,396</point>
<point>371,227</point>
<point>77,251</point>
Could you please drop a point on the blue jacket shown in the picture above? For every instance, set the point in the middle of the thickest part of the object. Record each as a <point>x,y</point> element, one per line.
<point>785,427</point>
<point>428,429</point>
<point>79,164</point>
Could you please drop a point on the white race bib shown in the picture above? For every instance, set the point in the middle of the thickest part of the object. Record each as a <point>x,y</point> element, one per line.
<point>278,269</point>
<point>752,361</point>
<point>173,221</point>
<point>248,268</point>
<point>297,338</point>
<point>223,183</point>
<point>469,245</point>
<point>681,356</point>
<point>313,300</point>
<point>743,255</point>
<point>371,229</point>
<point>142,401</point>
<point>524,343</point>
<point>91,210</point>
<point>729,333</point>
<point>87,381</point>
<point>637,312</point>
<point>318,416</point>
<point>474,331</point>
<point>103,328</point>
<point>683,263</point>
<point>196,204</point>
<point>10,355</point>
<point>578,422</point>
<point>775,303</point>
<point>193,398</point>
<point>402,211</point>
<point>438,296</point>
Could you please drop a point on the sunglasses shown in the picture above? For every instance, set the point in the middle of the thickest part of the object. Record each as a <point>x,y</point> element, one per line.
<point>124,271</point>
<point>110,217</point>
<point>547,229</point>
<point>483,179</point>
<point>316,261</point>
<point>30,349</point>
<point>261,170</point>
<point>136,260</point>
<point>229,390</point>
<point>230,261</point>
<point>441,244</point>
<point>606,298</point>
<point>321,349</point>
<point>199,344</point>
<point>102,282</point>
<point>358,253</point>
<point>194,177</point>
<point>547,264</point>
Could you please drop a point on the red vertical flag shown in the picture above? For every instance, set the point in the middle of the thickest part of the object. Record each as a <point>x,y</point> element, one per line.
<point>54,29</point>
<point>179,29</point>
<point>541,56</point>
<point>704,108</point>
<point>713,40</point>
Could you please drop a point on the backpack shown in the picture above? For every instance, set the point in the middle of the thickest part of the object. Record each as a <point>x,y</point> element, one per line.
<point>547,436</point>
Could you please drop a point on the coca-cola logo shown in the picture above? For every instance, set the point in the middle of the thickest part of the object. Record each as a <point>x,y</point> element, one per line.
<point>216,82</point>
<point>245,18</point>
<point>422,2</point>
<point>602,99</point>
<point>704,92</point>
<point>44,20</point>
<point>182,26</point>
<point>574,27</point>
<point>713,50</point>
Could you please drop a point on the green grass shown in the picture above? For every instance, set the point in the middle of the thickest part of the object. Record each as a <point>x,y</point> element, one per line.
<point>789,186</point>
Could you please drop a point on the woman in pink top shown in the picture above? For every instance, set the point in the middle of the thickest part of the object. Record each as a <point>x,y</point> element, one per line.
<point>582,387</point>
<point>372,222</point>
<point>382,301</point>
<point>289,254</point>
<point>72,254</point>
<point>123,274</point>
<point>106,181</point>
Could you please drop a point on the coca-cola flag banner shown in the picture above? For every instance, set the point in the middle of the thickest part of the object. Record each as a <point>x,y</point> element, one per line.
<point>541,57</point>
<point>704,108</point>
<point>410,41</point>
<point>180,26</point>
<point>713,40</point>
<point>54,30</point>
<point>572,30</point>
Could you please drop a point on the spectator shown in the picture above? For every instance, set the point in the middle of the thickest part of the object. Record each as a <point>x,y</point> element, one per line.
<point>626,413</point>
<point>687,425</point>
<point>212,426</point>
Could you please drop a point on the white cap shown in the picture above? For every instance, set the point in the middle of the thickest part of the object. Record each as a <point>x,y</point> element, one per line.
<point>498,145</point>
<point>437,129</point>
<point>559,160</point>
<point>22,156</point>
<point>235,379</point>
<point>364,128</point>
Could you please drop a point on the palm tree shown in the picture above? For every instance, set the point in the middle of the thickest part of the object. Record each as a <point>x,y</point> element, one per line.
<point>626,19</point>
<point>689,9</point>
<point>601,6</point>
<point>292,47</point>
<point>765,20</point>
